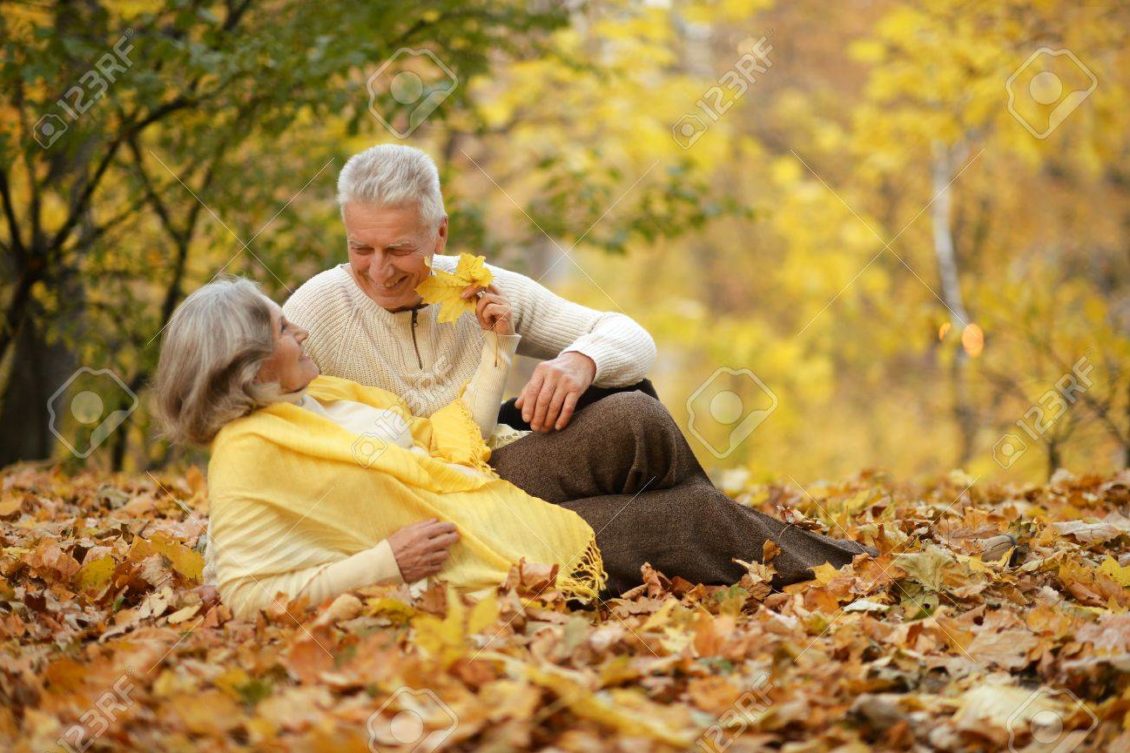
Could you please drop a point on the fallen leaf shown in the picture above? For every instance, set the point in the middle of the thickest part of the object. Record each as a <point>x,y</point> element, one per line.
<point>1007,648</point>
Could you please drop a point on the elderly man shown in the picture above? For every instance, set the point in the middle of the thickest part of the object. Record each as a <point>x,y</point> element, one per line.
<point>621,463</point>
<point>367,323</point>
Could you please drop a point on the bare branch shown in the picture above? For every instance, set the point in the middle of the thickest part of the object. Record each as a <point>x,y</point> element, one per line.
<point>10,215</point>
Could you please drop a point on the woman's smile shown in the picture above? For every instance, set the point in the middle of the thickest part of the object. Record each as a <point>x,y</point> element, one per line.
<point>288,365</point>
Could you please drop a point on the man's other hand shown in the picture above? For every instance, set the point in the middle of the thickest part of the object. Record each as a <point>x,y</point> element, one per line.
<point>548,399</point>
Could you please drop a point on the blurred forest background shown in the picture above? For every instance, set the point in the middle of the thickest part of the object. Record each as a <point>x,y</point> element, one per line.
<point>897,230</point>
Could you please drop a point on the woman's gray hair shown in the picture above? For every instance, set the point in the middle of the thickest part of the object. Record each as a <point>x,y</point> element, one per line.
<point>213,348</point>
<point>391,175</point>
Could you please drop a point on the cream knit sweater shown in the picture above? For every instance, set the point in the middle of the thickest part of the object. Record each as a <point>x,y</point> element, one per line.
<point>426,363</point>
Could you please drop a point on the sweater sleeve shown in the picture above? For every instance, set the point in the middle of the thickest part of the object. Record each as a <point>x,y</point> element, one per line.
<point>483,394</point>
<point>622,350</point>
<point>318,583</point>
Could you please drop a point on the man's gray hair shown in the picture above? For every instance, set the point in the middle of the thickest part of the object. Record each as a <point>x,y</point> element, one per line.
<point>213,348</point>
<point>391,175</point>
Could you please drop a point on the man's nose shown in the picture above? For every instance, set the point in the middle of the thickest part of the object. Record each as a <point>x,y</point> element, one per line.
<point>381,270</point>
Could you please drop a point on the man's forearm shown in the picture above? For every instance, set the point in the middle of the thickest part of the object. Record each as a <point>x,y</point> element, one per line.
<point>622,350</point>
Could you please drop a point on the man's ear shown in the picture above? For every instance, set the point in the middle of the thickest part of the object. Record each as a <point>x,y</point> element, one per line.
<point>441,236</point>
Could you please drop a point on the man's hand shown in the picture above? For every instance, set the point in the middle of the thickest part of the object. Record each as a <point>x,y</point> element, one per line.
<point>421,548</point>
<point>491,309</point>
<point>548,399</point>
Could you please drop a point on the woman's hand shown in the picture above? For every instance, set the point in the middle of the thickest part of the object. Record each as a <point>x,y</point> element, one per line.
<point>421,548</point>
<point>492,310</point>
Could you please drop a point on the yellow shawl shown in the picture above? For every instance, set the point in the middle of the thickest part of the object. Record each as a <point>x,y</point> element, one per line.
<point>291,489</point>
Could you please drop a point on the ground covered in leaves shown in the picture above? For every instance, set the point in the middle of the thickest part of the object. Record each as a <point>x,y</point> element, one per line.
<point>110,642</point>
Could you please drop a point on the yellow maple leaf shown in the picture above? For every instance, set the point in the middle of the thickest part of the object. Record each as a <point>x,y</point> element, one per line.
<point>825,573</point>
<point>1118,572</point>
<point>483,614</point>
<point>443,638</point>
<point>444,288</point>
<point>96,574</point>
<point>185,561</point>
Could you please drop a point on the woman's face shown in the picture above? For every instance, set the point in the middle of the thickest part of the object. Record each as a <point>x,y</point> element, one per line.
<point>288,364</point>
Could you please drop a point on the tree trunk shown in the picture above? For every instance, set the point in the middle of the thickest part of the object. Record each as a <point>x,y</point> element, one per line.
<point>942,170</point>
<point>1126,444</point>
<point>36,370</point>
<point>1054,458</point>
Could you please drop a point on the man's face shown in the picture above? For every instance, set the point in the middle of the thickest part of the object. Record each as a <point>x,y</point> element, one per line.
<point>389,251</point>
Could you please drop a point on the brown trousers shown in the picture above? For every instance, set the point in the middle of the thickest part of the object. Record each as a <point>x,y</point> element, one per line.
<point>624,466</point>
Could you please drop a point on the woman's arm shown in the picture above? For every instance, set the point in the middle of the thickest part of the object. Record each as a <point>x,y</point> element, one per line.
<point>368,567</point>
<point>411,553</point>
<point>483,394</point>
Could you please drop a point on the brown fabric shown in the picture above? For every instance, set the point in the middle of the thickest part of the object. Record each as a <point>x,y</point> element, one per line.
<point>624,466</point>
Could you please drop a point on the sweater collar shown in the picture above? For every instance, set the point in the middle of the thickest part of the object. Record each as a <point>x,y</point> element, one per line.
<point>367,304</point>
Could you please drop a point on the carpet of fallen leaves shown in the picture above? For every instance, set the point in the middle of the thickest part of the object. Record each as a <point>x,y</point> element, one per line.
<point>111,642</point>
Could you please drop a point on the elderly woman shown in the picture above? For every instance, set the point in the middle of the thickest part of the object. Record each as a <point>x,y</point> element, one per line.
<point>319,485</point>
